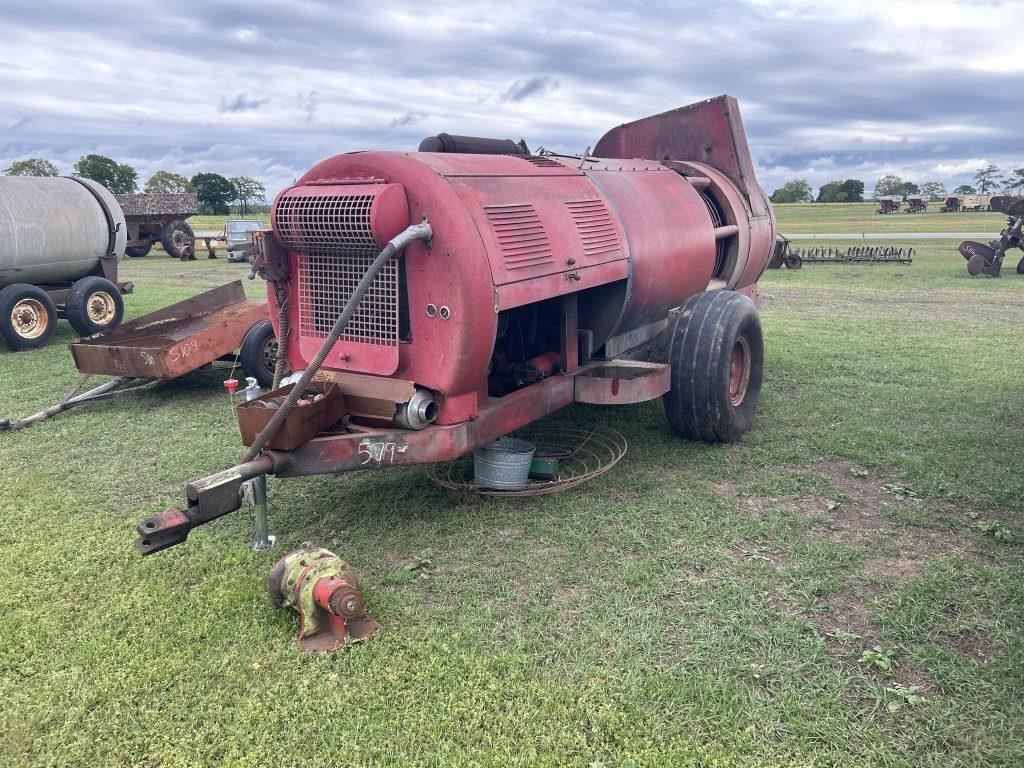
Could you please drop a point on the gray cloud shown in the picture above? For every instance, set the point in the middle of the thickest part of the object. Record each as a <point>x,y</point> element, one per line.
<point>828,88</point>
<point>241,103</point>
<point>531,86</point>
<point>409,118</point>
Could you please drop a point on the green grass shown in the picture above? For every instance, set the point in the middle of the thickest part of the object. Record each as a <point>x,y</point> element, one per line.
<point>800,218</point>
<point>698,605</point>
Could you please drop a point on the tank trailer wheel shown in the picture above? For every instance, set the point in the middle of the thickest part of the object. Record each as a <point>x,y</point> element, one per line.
<point>717,362</point>
<point>258,355</point>
<point>138,251</point>
<point>178,239</point>
<point>93,304</point>
<point>28,317</point>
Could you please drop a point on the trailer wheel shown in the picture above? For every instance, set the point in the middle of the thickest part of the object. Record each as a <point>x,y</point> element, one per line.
<point>793,261</point>
<point>178,239</point>
<point>258,355</point>
<point>1020,267</point>
<point>138,251</point>
<point>717,361</point>
<point>28,317</point>
<point>93,304</point>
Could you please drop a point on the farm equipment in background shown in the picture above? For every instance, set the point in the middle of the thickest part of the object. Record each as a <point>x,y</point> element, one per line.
<point>153,218</point>
<point>985,259</point>
<point>889,204</point>
<point>61,242</point>
<point>454,297</point>
<point>950,204</point>
<point>792,257</point>
<point>976,203</point>
<point>916,204</point>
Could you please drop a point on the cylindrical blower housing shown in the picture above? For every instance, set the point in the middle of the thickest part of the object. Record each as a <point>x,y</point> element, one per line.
<point>55,230</point>
<point>632,238</point>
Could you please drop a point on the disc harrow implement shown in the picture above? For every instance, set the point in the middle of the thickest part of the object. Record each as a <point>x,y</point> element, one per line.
<point>794,257</point>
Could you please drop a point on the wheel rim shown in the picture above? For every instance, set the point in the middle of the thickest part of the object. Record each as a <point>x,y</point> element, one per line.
<point>270,354</point>
<point>101,308</point>
<point>181,240</point>
<point>739,370</point>
<point>30,318</point>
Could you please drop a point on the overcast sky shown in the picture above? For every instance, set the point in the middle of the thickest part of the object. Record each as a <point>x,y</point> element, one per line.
<point>829,89</point>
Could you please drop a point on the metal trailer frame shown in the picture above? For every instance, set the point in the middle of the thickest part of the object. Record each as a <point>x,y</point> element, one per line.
<point>158,347</point>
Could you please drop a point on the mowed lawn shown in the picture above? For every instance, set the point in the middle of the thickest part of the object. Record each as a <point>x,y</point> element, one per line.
<point>844,586</point>
<point>858,218</point>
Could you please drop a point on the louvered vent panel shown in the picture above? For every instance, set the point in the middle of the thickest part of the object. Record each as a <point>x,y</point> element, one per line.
<point>520,235</point>
<point>596,227</point>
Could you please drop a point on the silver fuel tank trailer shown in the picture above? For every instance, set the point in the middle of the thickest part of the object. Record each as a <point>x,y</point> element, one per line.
<point>61,239</point>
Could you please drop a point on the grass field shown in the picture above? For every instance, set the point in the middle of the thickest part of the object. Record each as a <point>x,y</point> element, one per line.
<point>861,217</point>
<point>844,586</point>
<point>801,218</point>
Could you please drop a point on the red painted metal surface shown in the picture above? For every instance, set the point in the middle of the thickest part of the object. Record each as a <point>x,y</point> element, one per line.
<point>174,340</point>
<point>618,383</point>
<point>632,238</point>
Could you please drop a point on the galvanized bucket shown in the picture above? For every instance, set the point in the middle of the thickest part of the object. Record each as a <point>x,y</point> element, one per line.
<point>503,464</point>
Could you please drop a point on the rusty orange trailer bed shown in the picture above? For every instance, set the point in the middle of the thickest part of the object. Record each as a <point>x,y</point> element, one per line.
<point>161,346</point>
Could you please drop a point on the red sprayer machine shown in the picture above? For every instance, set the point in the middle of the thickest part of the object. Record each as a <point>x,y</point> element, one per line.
<point>456,294</point>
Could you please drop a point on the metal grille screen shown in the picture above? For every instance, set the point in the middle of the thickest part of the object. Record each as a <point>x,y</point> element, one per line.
<point>332,237</point>
<point>325,285</point>
<point>325,224</point>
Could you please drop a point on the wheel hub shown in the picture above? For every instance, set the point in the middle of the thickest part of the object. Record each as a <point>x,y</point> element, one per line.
<point>270,354</point>
<point>101,308</point>
<point>739,371</point>
<point>30,318</point>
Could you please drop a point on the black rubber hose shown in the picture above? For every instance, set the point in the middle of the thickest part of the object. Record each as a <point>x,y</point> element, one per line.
<point>415,232</point>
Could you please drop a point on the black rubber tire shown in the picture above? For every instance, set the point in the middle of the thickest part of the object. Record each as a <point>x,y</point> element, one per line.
<point>176,236</point>
<point>138,251</point>
<point>91,296</point>
<point>710,330</point>
<point>793,261</point>
<point>1020,267</point>
<point>38,304</point>
<point>258,354</point>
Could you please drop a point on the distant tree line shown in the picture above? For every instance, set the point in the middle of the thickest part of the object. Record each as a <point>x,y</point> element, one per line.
<point>216,193</point>
<point>987,179</point>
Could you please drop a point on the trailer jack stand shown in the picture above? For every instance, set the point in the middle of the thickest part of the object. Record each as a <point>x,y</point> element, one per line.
<point>256,491</point>
<point>324,590</point>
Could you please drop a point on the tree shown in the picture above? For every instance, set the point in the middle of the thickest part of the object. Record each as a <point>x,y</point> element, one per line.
<point>854,190</point>
<point>1015,182</point>
<point>889,185</point>
<point>965,189</point>
<point>119,178</point>
<point>907,188</point>
<point>167,182</point>
<point>795,191</point>
<point>32,166</point>
<point>214,192</point>
<point>987,178</point>
<point>933,190</point>
<point>849,191</point>
<point>247,189</point>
